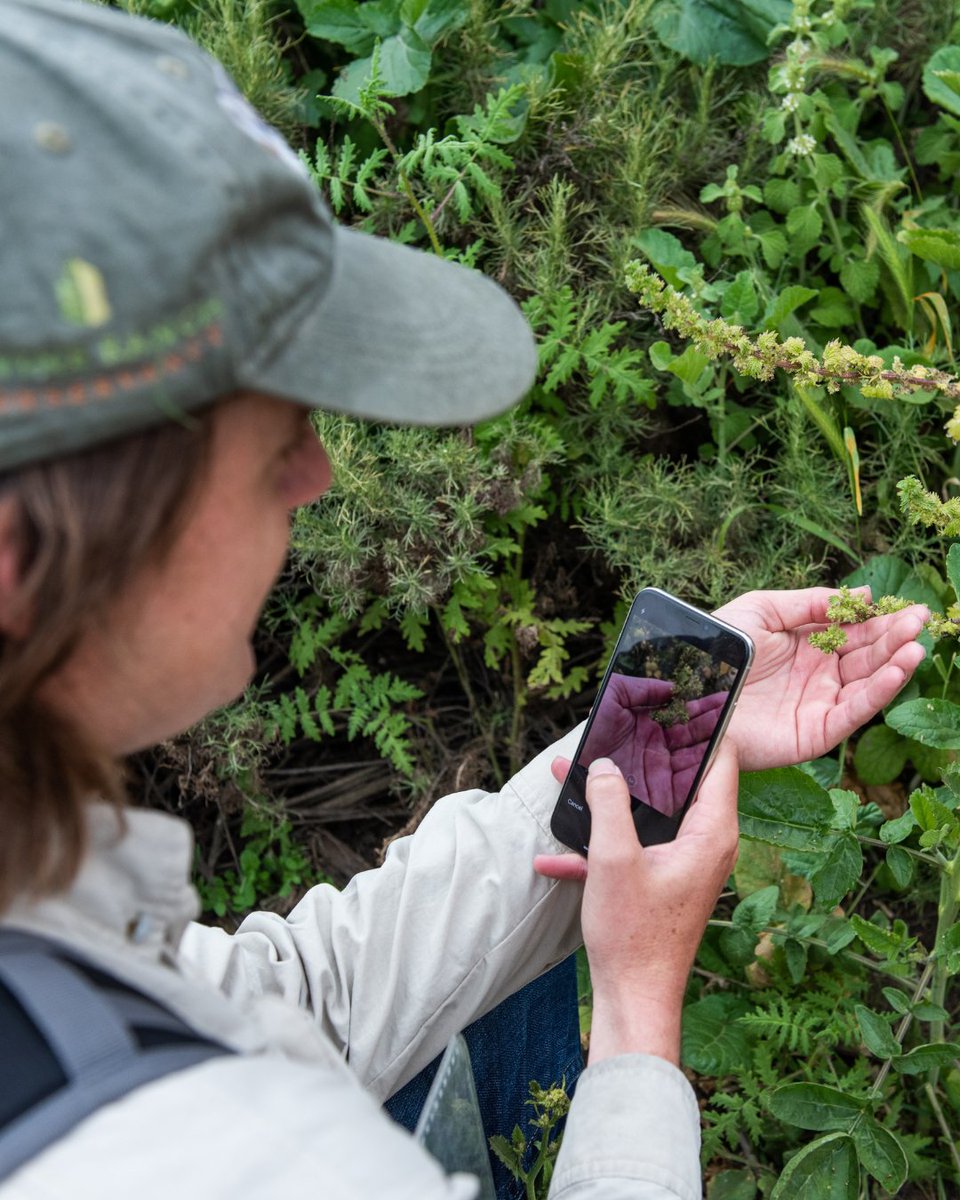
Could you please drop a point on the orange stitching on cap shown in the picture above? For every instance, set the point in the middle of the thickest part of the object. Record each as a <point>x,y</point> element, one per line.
<point>215,335</point>
<point>19,400</point>
<point>173,364</point>
<point>76,393</point>
<point>103,387</point>
<point>127,380</point>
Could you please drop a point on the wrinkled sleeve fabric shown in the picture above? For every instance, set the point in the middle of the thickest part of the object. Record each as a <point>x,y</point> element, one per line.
<point>633,1133</point>
<point>410,953</point>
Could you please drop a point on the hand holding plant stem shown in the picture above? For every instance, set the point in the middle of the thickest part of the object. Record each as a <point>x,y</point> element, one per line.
<point>798,703</point>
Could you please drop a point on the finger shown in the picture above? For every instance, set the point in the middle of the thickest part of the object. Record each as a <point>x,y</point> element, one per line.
<point>790,609</point>
<point>611,825</point>
<point>561,866</point>
<point>714,813</point>
<point>560,768</point>
<point>861,701</point>
<point>872,649</point>
<point>633,691</point>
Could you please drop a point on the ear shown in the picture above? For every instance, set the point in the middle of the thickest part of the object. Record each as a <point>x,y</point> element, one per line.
<point>14,620</point>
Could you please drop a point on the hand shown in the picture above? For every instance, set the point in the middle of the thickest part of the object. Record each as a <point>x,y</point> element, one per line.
<point>645,908</point>
<point>659,762</point>
<point>798,703</point>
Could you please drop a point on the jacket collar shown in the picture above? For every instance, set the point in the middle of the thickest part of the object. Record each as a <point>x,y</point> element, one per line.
<point>133,888</point>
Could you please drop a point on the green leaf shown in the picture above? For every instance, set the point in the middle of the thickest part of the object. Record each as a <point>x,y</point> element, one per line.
<point>786,303</point>
<point>728,31</point>
<point>404,65</point>
<point>930,813</point>
<point>435,18</point>
<point>785,807</point>
<point>939,246</point>
<point>948,947</point>
<point>887,944</point>
<point>941,82</point>
<point>814,1106</point>
<point>930,721</point>
<point>953,567</point>
<point>781,194</point>
<point>900,866</point>
<point>899,828</point>
<point>756,911</point>
<point>667,253</point>
<point>840,871</point>
<point>808,526</point>
<point>804,225</point>
<point>880,756</point>
<point>846,808</point>
<point>860,278</point>
<point>926,1058</point>
<point>881,1154</point>
<point>732,1185</point>
<point>713,1042</point>
<point>877,1034</point>
<point>795,955</point>
<point>342,21</point>
<point>888,575</point>
<point>740,303</point>
<point>897,1000</point>
<point>826,1169</point>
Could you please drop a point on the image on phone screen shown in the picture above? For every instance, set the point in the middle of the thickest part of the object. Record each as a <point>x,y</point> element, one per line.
<point>666,695</point>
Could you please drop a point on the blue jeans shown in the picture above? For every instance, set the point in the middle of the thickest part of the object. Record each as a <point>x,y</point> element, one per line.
<point>533,1034</point>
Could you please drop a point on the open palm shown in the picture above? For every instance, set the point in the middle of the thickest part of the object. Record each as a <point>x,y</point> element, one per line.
<point>798,702</point>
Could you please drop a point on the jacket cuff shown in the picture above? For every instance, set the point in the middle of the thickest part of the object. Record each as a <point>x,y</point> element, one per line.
<point>633,1118</point>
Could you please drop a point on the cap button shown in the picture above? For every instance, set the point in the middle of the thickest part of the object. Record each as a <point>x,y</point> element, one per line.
<point>52,137</point>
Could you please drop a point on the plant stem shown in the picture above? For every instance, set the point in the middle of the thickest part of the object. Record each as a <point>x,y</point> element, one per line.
<point>947,907</point>
<point>944,1127</point>
<point>481,722</point>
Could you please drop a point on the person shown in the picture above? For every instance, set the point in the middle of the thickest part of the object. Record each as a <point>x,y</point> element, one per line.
<point>176,299</point>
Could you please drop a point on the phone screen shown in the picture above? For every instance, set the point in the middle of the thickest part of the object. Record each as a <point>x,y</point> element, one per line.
<point>664,701</point>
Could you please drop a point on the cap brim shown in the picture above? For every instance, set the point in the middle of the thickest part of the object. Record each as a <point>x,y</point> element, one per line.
<point>403,335</point>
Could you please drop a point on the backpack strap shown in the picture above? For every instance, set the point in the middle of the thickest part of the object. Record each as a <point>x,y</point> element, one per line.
<point>73,1038</point>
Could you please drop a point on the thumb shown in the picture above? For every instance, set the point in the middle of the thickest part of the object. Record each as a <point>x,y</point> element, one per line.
<point>611,823</point>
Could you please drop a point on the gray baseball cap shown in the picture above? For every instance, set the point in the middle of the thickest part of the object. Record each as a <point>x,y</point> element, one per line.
<point>161,246</point>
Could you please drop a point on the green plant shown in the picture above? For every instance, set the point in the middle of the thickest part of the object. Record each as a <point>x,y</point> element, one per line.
<point>531,1157</point>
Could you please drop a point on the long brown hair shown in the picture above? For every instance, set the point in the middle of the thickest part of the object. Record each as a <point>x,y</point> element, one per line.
<point>84,525</point>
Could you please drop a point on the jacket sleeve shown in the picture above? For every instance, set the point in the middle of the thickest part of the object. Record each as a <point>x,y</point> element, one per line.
<point>410,953</point>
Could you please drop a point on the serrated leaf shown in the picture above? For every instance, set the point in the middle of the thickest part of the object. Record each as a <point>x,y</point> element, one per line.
<point>786,303</point>
<point>887,944</point>
<point>881,1154</point>
<point>804,225</point>
<point>928,720</point>
<point>846,808</point>
<point>740,303</point>
<point>827,1169</point>
<point>787,808</point>
<point>755,912</point>
<point>930,813</point>
<point>940,82</point>
<point>877,1034</point>
<point>860,277</point>
<point>926,1058</point>
<point>840,871</point>
<point>939,246</point>
<point>814,1106</point>
<point>781,194</point>
<point>713,1042</point>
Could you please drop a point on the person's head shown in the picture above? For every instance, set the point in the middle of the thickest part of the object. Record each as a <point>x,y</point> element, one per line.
<point>176,299</point>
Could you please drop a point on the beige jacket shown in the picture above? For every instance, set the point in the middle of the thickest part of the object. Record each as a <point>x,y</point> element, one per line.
<point>334,1008</point>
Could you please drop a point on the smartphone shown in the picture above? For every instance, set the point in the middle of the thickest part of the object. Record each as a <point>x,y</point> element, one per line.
<point>665,700</point>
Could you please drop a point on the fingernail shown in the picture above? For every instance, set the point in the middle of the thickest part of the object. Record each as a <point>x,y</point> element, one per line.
<point>604,766</point>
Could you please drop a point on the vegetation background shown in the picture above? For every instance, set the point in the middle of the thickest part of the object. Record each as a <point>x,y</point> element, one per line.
<point>790,168</point>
